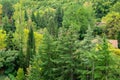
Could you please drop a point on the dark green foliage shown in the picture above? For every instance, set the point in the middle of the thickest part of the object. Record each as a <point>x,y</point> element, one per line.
<point>21,59</point>
<point>39,20</point>
<point>9,42</point>
<point>26,16</point>
<point>67,56</point>
<point>33,17</point>
<point>8,25</point>
<point>102,7</point>
<point>8,61</point>
<point>97,31</point>
<point>30,46</point>
<point>118,38</point>
<point>59,16</point>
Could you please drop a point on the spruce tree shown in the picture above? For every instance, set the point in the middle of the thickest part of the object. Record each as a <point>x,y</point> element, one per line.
<point>87,60</point>
<point>30,46</point>
<point>105,65</point>
<point>67,60</point>
<point>47,55</point>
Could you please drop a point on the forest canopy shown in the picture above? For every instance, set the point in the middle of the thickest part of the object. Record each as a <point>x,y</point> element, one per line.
<point>59,39</point>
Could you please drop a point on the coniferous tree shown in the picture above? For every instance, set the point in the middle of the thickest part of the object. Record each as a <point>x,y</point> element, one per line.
<point>26,16</point>
<point>67,60</point>
<point>87,53</point>
<point>30,46</point>
<point>33,17</point>
<point>43,60</point>
<point>59,16</point>
<point>47,54</point>
<point>105,64</point>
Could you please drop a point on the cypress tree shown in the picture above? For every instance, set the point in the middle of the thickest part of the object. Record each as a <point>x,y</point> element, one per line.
<point>30,46</point>
<point>26,16</point>
<point>59,16</point>
<point>33,18</point>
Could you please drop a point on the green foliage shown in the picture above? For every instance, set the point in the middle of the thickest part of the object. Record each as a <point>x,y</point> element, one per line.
<point>2,39</point>
<point>118,38</point>
<point>81,17</point>
<point>7,8</point>
<point>30,46</point>
<point>112,22</point>
<point>67,50</point>
<point>97,31</point>
<point>11,77</point>
<point>34,70</point>
<point>47,54</point>
<point>8,25</point>
<point>87,57</point>
<point>105,64</point>
<point>102,8</point>
<point>116,7</point>
<point>26,16</point>
<point>7,60</point>
<point>9,42</point>
<point>66,55</point>
<point>59,16</point>
<point>20,74</point>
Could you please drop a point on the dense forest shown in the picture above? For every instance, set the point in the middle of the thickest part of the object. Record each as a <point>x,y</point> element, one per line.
<point>59,39</point>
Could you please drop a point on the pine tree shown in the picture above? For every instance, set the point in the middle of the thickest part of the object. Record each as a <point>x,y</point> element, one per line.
<point>30,46</point>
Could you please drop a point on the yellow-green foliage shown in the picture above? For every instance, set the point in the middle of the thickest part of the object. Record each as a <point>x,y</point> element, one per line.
<point>2,39</point>
<point>116,51</point>
<point>111,48</point>
<point>20,74</point>
<point>38,38</point>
